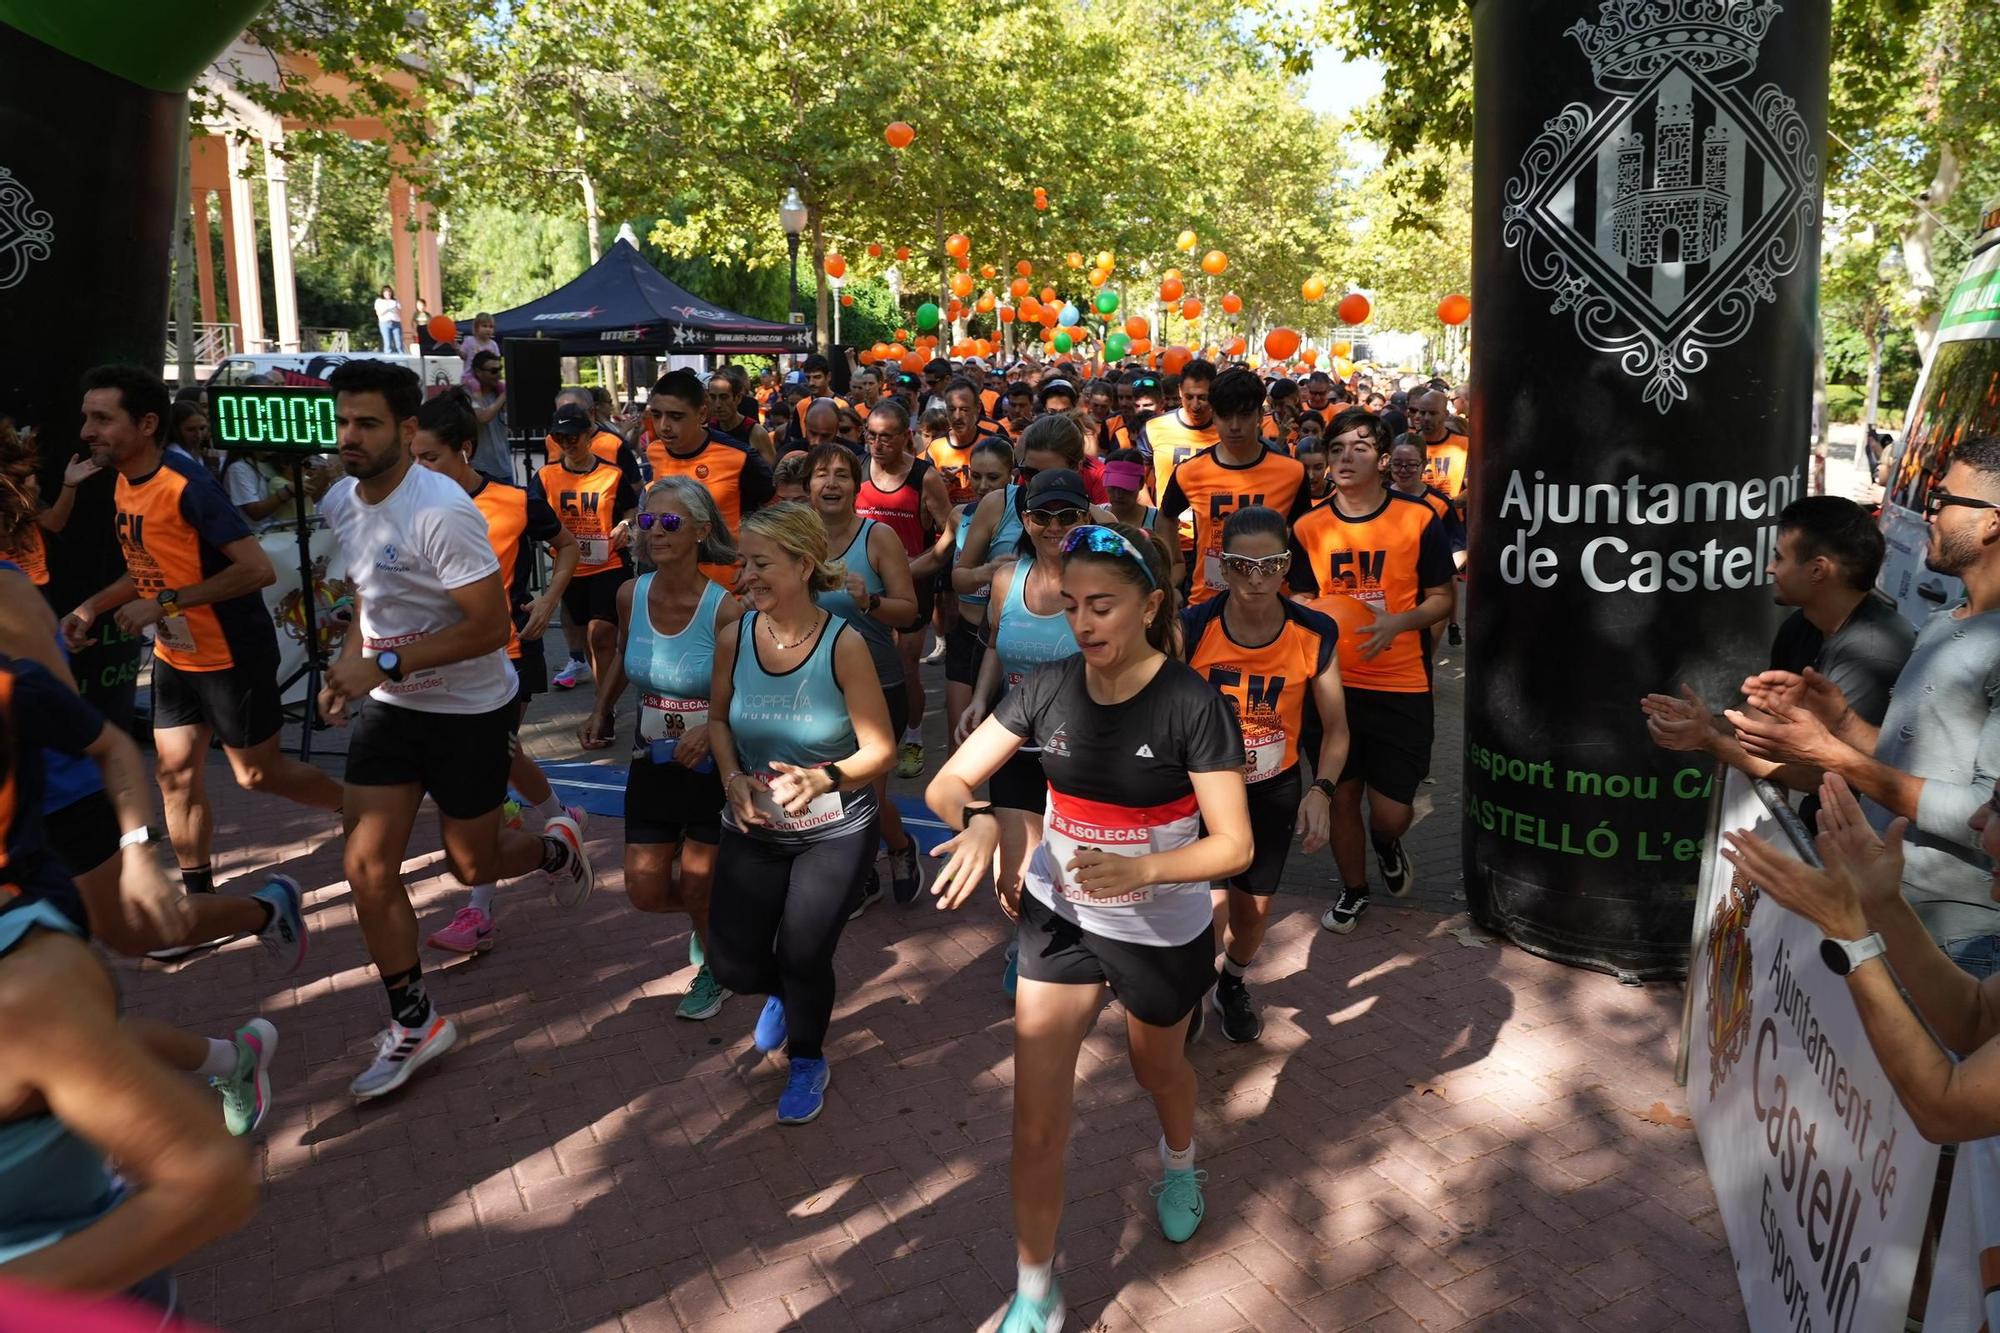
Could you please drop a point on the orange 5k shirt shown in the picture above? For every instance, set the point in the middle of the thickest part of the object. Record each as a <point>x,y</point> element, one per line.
<point>172,525</point>
<point>1269,684</point>
<point>1358,569</point>
<point>1214,489</point>
<point>588,504</point>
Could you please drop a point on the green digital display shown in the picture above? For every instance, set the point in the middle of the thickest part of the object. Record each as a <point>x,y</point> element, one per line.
<point>277,418</point>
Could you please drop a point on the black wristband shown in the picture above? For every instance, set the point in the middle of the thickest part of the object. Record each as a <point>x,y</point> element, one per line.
<point>1324,787</point>
<point>973,811</point>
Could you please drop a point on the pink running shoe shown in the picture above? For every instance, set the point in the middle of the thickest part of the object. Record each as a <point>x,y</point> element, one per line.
<point>471,931</point>
<point>580,815</point>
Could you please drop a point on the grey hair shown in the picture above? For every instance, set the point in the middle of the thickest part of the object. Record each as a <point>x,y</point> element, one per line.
<point>719,546</point>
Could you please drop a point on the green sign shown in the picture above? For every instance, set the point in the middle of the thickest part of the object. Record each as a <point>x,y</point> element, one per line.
<point>273,418</point>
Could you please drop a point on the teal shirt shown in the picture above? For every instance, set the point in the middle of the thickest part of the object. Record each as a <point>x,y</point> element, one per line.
<point>795,717</point>
<point>881,640</point>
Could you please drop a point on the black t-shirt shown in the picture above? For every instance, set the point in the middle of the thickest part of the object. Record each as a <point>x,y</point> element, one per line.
<point>41,713</point>
<point>1863,657</point>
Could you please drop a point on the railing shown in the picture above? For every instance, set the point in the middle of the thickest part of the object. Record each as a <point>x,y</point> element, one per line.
<point>212,343</point>
<point>326,340</point>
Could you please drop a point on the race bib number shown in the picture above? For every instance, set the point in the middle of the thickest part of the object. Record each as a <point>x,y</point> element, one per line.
<point>663,719</point>
<point>822,811</point>
<point>174,632</point>
<point>1263,755</point>
<point>593,550</point>
<point>1063,837</point>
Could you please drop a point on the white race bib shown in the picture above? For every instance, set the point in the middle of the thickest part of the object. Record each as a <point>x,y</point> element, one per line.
<point>174,632</point>
<point>1263,755</point>
<point>1063,836</point>
<point>663,719</point>
<point>593,550</point>
<point>823,810</point>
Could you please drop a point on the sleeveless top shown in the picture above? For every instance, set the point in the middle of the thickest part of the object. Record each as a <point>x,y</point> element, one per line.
<point>1005,537</point>
<point>670,671</point>
<point>900,510</point>
<point>881,640</point>
<point>1023,639</point>
<point>793,717</point>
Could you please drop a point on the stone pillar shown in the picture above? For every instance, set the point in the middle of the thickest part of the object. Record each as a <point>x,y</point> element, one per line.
<point>401,245</point>
<point>246,290</point>
<point>1645,255</point>
<point>284,285</point>
<point>204,256</point>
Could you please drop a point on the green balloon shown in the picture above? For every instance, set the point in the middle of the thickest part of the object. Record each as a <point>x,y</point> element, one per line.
<point>1107,301</point>
<point>1116,345</point>
<point>1064,342</point>
<point>927,316</point>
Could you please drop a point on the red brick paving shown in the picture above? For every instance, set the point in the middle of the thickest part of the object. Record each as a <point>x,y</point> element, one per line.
<point>1431,1135</point>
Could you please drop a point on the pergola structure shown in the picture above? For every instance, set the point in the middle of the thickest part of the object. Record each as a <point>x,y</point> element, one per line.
<point>219,163</point>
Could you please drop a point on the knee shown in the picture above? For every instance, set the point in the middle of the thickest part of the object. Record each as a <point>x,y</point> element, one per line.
<point>1039,1137</point>
<point>1158,1074</point>
<point>474,867</point>
<point>371,877</point>
<point>647,889</point>
<point>252,775</point>
<point>176,777</point>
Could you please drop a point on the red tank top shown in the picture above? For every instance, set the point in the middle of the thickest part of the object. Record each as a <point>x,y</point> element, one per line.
<point>901,510</point>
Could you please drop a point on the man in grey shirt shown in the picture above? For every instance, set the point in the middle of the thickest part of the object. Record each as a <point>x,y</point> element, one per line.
<point>489,395</point>
<point>1935,758</point>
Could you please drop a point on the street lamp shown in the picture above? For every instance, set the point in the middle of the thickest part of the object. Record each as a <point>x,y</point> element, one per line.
<point>836,284</point>
<point>792,216</point>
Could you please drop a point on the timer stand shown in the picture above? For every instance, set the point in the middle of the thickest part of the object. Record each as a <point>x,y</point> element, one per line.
<point>314,667</point>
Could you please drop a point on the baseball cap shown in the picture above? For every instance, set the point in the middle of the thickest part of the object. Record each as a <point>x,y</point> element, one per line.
<point>975,363</point>
<point>1057,488</point>
<point>1049,387</point>
<point>570,419</point>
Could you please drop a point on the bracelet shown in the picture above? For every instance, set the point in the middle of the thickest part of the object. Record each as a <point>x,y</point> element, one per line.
<point>137,837</point>
<point>972,812</point>
<point>1324,787</point>
<point>739,773</point>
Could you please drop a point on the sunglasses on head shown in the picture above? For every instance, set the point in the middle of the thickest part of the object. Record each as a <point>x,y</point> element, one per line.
<point>667,522</point>
<point>1096,539</point>
<point>1065,518</point>
<point>1249,566</point>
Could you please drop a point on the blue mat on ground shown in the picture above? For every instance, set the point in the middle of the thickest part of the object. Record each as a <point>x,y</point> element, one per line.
<point>600,789</point>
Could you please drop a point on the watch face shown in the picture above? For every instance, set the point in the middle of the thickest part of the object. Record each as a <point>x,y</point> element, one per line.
<point>1834,956</point>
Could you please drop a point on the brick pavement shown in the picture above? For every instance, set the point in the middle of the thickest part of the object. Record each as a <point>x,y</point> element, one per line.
<point>1435,1132</point>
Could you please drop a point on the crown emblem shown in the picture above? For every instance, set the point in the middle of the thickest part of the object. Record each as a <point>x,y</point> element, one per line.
<point>1636,39</point>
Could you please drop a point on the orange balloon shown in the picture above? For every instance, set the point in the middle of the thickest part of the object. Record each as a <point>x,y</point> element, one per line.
<point>913,361</point>
<point>1454,309</point>
<point>1006,314</point>
<point>1175,358</point>
<point>1186,241</point>
<point>442,329</point>
<point>874,250</point>
<point>1049,333</point>
<point>1279,344</point>
<point>1048,295</point>
<point>1041,201</point>
<point>961,284</point>
<point>866,356</point>
<point>899,134</point>
<point>1051,316</point>
<point>1074,259</point>
<point>1231,303</point>
<point>1031,309</point>
<point>1172,289</point>
<point>1235,346</point>
<point>902,335</point>
<point>958,245</point>
<point>903,252</point>
<point>836,266</point>
<point>988,271</point>
<point>1105,259</point>
<point>1313,288</point>
<point>1191,308</point>
<point>1342,348</point>
<point>1175,274</point>
<point>1019,287</point>
<point>846,299</point>
<point>1141,346</point>
<point>954,310</point>
<point>1310,356</point>
<point>981,347</point>
<point>1353,308</point>
<point>1136,327</point>
<point>1024,268</point>
<point>985,304</point>
<point>1214,262</point>
<point>964,262</point>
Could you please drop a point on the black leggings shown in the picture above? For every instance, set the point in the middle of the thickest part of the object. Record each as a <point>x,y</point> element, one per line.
<point>775,918</point>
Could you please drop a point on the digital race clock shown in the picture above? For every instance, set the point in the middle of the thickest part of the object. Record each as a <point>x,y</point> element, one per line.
<point>274,418</point>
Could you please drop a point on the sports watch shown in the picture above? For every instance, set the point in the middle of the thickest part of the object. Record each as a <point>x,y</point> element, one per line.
<point>169,600</point>
<point>1843,956</point>
<point>389,664</point>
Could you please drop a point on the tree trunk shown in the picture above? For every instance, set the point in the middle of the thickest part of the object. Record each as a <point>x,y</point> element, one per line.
<point>604,368</point>
<point>819,272</point>
<point>1872,327</point>
<point>1918,254</point>
<point>184,262</point>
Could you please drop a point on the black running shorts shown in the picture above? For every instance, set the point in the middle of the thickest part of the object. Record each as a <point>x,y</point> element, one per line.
<point>1274,817</point>
<point>238,703</point>
<point>1157,983</point>
<point>594,597</point>
<point>461,759</point>
<point>1388,741</point>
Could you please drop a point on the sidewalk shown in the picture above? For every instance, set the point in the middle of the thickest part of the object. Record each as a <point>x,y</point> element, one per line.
<point>1436,1131</point>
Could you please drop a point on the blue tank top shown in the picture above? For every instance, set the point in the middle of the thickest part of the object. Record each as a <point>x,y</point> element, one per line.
<point>1005,538</point>
<point>1025,640</point>
<point>670,671</point>
<point>794,717</point>
<point>66,778</point>
<point>881,640</point>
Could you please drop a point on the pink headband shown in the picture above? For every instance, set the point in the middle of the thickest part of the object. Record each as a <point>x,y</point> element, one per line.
<point>1125,476</point>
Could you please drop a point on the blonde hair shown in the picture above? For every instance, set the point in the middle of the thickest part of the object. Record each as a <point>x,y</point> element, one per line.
<point>796,529</point>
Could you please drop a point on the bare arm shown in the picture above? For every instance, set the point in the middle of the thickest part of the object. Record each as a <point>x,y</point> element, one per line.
<point>898,604</point>
<point>543,609</point>
<point>973,570</point>
<point>492,409</point>
<point>481,628</point>
<point>970,853</point>
<point>249,570</point>
<point>614,678</point>
<point>937,508</point>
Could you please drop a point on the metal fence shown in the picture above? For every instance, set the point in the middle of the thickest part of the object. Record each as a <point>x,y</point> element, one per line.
<point>212,342</point>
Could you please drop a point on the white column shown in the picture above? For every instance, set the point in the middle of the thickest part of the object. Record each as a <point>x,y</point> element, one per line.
<point>249,293</point>
<point>285,288</point>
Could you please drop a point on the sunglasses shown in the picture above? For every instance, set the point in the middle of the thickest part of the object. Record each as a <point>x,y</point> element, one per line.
<point>667,522</point>
<point>1062,518</point>
<point>1097,539</point>
<point>1934,504</point>
<point>1250,566</point>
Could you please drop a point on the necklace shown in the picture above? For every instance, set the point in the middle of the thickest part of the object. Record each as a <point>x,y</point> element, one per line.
<point>771,632</point>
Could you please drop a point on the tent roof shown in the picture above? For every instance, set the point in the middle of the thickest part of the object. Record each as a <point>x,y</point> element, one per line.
<point>623,305</point>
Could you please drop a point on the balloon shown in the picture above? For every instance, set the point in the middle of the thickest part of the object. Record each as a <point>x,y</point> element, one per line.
<point>981,347</point>
<point>1105,259</point>
<point>1025,269</point>
<point>1031,309</point>
<point>913,361</point>
<point>1236,346</point>
<point>1231,303</point>
<point>1186,241</point>
<point>1310,356</point>
<point>1041,201</point>
<point>903,253</point>
<point>836,266</point>
<point>1048,295</point>
<point>1068,316</point>
<point>902,335</point>
<point>962,261</point>
<point>1191,308</point>
<point>846,298</point>
<point>1019,287</point>
<point>1172,289</point>
<point>927,316</point>
<point>985,304</point>
<point>442,329</point>
<point>1279,344</point>
<point>1174,358</point>
<point>1048,335</point>
<point>953,311</point>
<point>1098,277</point>
<point>1174,274</point>
<point>1313,288</point>
<point>1116,346</point>
<point>1353,308</point>
<point>958,245</point>
<point>1006,313</point>
<point>1050,316</point>
<point>866,356</point>
<point>988,271</point>
<point>1342,348</point>
<point>899,134</point>
<point>1214,262</point>
<point>874,250</point>
<point>1454,309</point>
<point>1073,259</point>
<point>1063,342</point>
<point>1342,367</point>
<point>961,285</point>
<point>1106,302</point>
<point>1137,327</point>
<point>1141,346</point>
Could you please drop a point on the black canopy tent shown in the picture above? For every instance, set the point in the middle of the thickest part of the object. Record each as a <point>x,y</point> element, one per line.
<point>623,306</point>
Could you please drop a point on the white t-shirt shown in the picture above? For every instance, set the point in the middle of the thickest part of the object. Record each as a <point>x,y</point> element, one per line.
<point>247,484</point>
<point>404,556</point>
<point>387,307</point>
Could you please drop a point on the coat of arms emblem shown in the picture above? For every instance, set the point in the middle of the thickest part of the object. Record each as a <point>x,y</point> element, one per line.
<point>1662,219</point>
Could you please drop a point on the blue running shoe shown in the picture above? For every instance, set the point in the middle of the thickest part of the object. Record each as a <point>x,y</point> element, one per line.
<point>770,1033</point>
<point>1179,1193</point>
<point>1012,976</point>
<point>805,1096</point>
<point>285,935</point>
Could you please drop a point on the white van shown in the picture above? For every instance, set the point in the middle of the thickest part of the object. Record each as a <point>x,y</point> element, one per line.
<point>436,372</point>
<point>1957,397</point>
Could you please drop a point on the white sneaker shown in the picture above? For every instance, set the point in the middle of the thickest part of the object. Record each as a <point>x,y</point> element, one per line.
<point>572,884</point>
<point>401,1052</point>
<point>574,673</point>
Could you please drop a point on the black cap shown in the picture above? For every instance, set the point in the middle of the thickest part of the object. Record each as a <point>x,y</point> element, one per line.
<point>1049,387</point>
<point>1056,488</point>
<point>570,419</point>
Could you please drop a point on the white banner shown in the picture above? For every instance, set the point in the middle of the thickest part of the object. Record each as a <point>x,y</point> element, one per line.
<point>1965,1282</point>
<point>331,607</point>
<point>1822,1180</point>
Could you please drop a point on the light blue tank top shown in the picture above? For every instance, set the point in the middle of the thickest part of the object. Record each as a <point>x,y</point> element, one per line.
<point>1005,538</point>
<point>674,665</point>
<point>1025,640</point>
<point>881,640</point>
<point>797,717</point>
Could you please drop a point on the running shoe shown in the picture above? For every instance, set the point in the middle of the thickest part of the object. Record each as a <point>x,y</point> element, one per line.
<point>285,934</point>
<point>574,673</point>
<point>1238,1012</point>
<point>246,1092</point>
<point>1454,635</point>
<point>577,816</point>
<point>906,874</point>
<point>1043,1316</point>
<point>1345,914</point>
<point>936,654</point>
<point>401,1052</point>
<point>471,931</point>
<point>770,1033</point>
<point>869,896</point>
<point>1397,874</point>
<point>572,883</point>
<point>804,1096</point>
<point>1179,1193</point>
<point>910,760</point>
<point>177,951</point>
<point>1011,978</point>
<point>703,999</point>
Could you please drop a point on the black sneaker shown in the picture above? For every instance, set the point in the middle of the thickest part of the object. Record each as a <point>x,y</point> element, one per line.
<point>869,896</point>
<point>1397,876</point>
<point>1454,636</point>
<point>1345,914</point>
<point>1194,1026</point>
<point>1240,1019</point>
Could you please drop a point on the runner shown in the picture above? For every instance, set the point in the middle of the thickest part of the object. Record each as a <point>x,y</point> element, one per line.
<point>575,415</point>
<point>1237,471</point>
<point>819,388</point>
<point>905,494</point>
<point>194,577</point>
<point>1171,440</point>
<point>1446,455</point>
<point>1311,453</point>
<point>446,442</point>
<point>1125,476</point>
<point>875,595</point>
<point>953,457</point>
<point>1139,757</point>
<point>429,657</point>
<point>990,466</point>
<point>728,386</point>
<point>673,795</point>
<point>1406,477</point>
<point>800,728</point>
<point>1274,660</point>
<point>789,478</point>
<point>1380,565</point>
<point>594,499</point>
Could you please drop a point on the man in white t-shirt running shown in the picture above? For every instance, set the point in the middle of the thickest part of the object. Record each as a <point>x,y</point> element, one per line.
<point>427,664</point>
